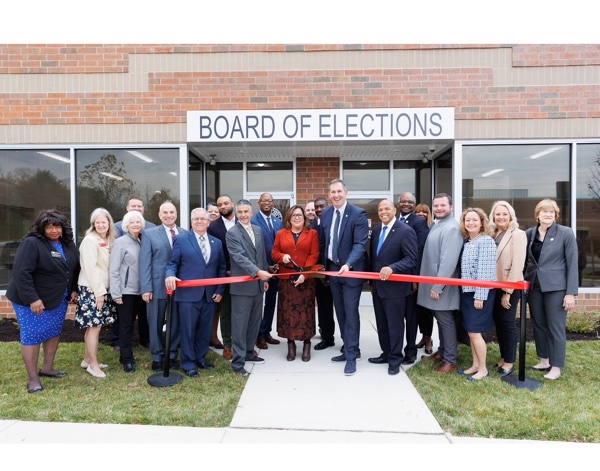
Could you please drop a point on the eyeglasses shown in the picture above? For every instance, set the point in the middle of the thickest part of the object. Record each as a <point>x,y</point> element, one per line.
<point>406,202</point>
<point>297,216</point>
<point>266,201</point>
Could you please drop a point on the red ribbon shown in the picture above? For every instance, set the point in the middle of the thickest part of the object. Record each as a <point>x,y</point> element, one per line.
<point>518,285</point>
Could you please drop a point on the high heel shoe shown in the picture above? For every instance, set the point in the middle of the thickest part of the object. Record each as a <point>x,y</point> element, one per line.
<point>306,351</point>
<point>291,356</point>
<point>93,373</point>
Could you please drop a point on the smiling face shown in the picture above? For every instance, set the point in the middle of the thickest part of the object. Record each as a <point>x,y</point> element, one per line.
<point>310,211</point>
<point>501,217</point>
<point>320,205</point>
<point>225,206</point>
<point>200,221</point>
<point>472,224</point>
<point>337,194</point>
<point>386,211</point>
<point>213,213</point>
<point>244,214</point>
<point>135,226</point>
<point>53,233</point>
<point>135,205</point>
<point>168,214</point>
<point>406,203</point>
<point>101,225</point>
<point>266,203</point>
<point>297,220</point>
<point>547,216</point>
<point>441,207</point>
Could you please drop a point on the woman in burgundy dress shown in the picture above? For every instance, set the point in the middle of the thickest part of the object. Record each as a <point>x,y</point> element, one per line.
<point>296,245</point>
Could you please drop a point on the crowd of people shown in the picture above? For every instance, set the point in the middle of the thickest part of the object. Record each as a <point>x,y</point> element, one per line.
<point>124,271</point>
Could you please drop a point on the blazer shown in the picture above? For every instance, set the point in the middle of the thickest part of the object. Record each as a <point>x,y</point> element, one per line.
<point>353,237</point>
<point>39,274</point>
<point>155,253</point>
<point>478,262</point>
<point>511,255</point>
<point>557,268</point>
<point>119,228</point>
<point>187,263</point>
<point>217,229</point>
<point>246,259</point>
<point>440,258</point>
<point>94,259</point>
<point>305,253</point>
<point>268,235</point>
<point>419,225</point>
<point>124,272</point>
<point>400,252</point>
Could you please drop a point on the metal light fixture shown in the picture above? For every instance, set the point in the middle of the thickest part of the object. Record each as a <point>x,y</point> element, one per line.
<point>212,159</point>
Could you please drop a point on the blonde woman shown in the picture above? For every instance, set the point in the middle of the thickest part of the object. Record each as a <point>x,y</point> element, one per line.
<point>95,306</point>
<point>511,243</point>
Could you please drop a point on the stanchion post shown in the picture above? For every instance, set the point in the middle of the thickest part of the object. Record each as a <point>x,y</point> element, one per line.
<point>166,379</point>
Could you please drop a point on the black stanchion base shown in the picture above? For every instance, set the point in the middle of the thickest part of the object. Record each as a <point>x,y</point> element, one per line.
<point>529,383</point>
<point>160,380</point>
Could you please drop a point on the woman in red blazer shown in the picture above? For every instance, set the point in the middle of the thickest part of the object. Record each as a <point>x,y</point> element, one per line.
<point>296,244</point>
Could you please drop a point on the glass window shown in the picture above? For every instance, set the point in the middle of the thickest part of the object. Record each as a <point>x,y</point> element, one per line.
<point>588,209</point>
<point>224,179</point>
<point>270,176</point>
<point>520,174</point>
<point>108,178</point>
<point>30,181</point>
<point>367,176</point>
<point>413,177</point>
<point>195,167</point>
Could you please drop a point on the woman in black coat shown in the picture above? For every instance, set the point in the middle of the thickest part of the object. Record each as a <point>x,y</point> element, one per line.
<point>44,281</point>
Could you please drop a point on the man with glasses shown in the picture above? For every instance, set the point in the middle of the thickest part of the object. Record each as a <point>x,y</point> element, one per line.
<point>406,207</point>
<point>269,225</point>
<point>196,256</point>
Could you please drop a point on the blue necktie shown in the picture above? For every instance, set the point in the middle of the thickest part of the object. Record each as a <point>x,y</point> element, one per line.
<point>402,219</point>
<point>381,238</point>
<point>336,228</point>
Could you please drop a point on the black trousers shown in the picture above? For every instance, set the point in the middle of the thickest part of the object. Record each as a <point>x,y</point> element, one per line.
<point>126,312</point>
<point>325,311</point>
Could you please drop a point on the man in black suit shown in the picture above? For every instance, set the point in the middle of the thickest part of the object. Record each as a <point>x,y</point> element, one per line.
<point>406,208</point>
<point>343,237</point>
<point>394,249</point>
<point>219,230</point>
<point>323,291</point>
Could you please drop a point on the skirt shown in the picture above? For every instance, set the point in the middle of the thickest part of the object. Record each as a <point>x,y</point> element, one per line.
<point>36,329</point>
<point>477,321</point>
<point>87,315</point>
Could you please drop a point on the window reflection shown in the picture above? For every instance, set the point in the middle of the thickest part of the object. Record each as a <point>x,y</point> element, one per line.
<point>367,176</point>
<point>224,179</point>
<point>108,178</point>
<point>588,210</point>
<point>30,181</point>
<point>270,176</point>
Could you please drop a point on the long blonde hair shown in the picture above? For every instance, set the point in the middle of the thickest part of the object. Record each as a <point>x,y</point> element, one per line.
<point>111,225</point>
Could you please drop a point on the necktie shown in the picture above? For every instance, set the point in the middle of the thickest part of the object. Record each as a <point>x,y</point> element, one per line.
<point>251,234</point>
<point>203,248</point>
<point>336,228</point>
<point>402,219</point>
<point>271,226</point>
<point>381,239</point>
<point>172,236</point>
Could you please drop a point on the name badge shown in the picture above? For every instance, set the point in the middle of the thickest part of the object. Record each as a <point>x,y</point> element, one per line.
<point>56,254</point>
<point>102,244</point>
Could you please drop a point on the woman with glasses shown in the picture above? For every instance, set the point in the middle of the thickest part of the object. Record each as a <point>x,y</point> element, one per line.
<point>296,245</point>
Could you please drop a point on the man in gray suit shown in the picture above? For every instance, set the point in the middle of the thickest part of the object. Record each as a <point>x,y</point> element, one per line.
<point>247,256</point>
<point>155,254</point>
<point>440,258</point>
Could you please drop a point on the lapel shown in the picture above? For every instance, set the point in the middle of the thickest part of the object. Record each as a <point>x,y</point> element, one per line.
<point>391,230</point>
<point>343,221</point>
<point>548,245</point>
<point>193,238</point>
<point>163,236</point>
<point>504,242</point>
<point>57,260</point>
<point>246,236</point>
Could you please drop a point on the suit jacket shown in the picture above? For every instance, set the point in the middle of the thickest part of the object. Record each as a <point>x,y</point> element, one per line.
<point>155,254</point>
<point>217,229</point>
<point>557,268</point>
<point>510,258</point>
<point>37,274</point>
<point>305,253</point>
<point>400,251</point>
<point>246,259</point>
<point>440,258</point>
<point>268,235</point>
<point>187,263</point>
<point>419,225</point>
<point>119,228</point>
<point>353,237</point>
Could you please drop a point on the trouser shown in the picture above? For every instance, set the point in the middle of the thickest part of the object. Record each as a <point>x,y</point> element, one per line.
<point>447,330</point>
<point>246,314</point>
<point>505,321</point>
<point>126,312</point>
<point>325,310</point>
<point>549,321</point>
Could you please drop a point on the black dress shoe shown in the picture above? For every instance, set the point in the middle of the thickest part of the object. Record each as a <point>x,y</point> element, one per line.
<point>380,360</point>
<point>58,374</point>
<point>192,373</point>
<point>393,370</point>
<point>539,369</point>
<point>409,360</point>
<point>174,364</point>
<point>157,366</point>
<point>503,372</point>
<point>240,371</point>
<point>128,367</point>
<point>254,359</point>
<point>205,366</point>
<point>323,344</point>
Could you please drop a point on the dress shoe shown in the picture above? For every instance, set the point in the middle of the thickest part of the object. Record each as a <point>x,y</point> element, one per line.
<point>173,364</point>
<point>323,344</point>
<point>227,353</point>
<point>350,368</point>
<point>85,364</point>
<point>306,351</point>
<point>380,360</point>
<point>339,358</point>
<point>254,359</point>
<point>291,356</point>
<point>503,372</point>
<point>204,365</point>
<point>445,368</point>
<point>192,373</point>
<point>271,340</point>
<point>217,345</point>
<point>260,343</point>
<point>463,372</point>
<point>428,351</point>
<point>472,378</point>
<point>128,367</point>
<point>409,360</point>
<point>101,374</point>
<point>540,369</point>
<point>437,356</point>
<point>157,366</point>
<point>421,344</point>
<point>393,370</point>
<point>240,371</point>
<point>58,374</point>
<point>37,389</point>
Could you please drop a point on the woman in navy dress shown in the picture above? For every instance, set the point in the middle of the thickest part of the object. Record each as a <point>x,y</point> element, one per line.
<point>478,262</point>
<point>44,281</point>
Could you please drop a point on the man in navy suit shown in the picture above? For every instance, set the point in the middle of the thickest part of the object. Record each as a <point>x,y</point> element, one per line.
<point>155,253</point>
<point>343,237</point>
<point>269,225</point>
<point>406,207</point>
<point>394,249</point>
<point>196,255</point>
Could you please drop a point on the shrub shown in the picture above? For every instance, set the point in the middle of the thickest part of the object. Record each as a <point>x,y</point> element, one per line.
<point>586,322</point>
